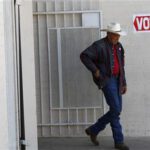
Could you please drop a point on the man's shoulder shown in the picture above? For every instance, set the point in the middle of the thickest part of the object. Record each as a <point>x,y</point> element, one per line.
<point>119,43</point>
<point>100,42</point>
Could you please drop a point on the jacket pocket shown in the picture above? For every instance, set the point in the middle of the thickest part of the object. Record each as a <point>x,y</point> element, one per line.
<point>101,81</point>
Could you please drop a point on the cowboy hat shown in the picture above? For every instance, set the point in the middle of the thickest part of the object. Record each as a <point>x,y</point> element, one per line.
<point>114,27</point>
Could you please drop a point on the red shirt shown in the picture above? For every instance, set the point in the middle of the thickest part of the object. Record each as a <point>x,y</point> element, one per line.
<point>115,70</point>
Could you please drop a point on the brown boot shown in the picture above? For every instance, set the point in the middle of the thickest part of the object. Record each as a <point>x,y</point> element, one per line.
<point>92,137</point>
<point>121,146</point>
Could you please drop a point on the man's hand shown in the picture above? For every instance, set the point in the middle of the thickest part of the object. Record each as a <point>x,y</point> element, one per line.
<point>124,90</point>
<point>97,74</point>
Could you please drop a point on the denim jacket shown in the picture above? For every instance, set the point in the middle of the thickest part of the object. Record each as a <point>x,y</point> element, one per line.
<point>99,56</point>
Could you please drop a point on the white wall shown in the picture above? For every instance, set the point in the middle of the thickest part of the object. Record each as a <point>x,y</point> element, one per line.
<point>3,99</point>
<point>28,71</point>
<point>136,112</point>
<point>9,138</point>
<point>8,125</point>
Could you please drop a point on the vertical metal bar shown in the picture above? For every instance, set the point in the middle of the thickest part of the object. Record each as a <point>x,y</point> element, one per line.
<point>17,67</point>
<point>55,14</point>
<point>94,114</point>
<point>17,95</point>
<point>90,4</point>
<point>21,86</point>
<point>73,20</point>
<point>65,21</point>
<point>64,14</point>
<point>60,68</point>
<point>81,3</point>
<point>49,68</point>
<point>60,121</point>
<point>39,75</point>
<point>20,79</point>
<point>85,115</point>
<point>50,86</point>
<point>56,22</point>
<point>38,20</point>
<point>65,3</point>
<point>68,122</point>
<point>52,121</point>
<point>77,114</point>
<point>73,17</point>
<point>101,34</point>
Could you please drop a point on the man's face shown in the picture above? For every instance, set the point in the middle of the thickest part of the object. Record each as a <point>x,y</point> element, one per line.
<point>114,38</point>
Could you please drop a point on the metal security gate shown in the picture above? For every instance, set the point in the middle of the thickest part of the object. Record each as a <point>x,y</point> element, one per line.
<point>67,99</point>
<point>75,101</point>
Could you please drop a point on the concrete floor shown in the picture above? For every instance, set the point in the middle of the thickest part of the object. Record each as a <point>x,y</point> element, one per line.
<point>78,143</point>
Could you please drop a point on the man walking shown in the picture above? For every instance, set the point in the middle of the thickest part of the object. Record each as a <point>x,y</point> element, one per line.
<point>105,59</point>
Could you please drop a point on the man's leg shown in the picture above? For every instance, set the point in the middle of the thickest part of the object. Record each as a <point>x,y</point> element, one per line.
<point>115,103</point>
<point>116,126</point>
<point>114,100</point>
<point>111,95</point>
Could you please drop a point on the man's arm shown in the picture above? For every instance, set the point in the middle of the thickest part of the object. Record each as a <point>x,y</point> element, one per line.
<point>124,88</point>
<point>89,57</point>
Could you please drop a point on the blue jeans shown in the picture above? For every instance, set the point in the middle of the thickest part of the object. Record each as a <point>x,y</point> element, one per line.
<point>114,100</point>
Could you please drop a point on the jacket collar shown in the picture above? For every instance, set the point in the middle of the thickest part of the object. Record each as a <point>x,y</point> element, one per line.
<point>109,43</point>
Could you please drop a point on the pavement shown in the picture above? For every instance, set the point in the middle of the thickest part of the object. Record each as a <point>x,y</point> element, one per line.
<point>84,143</point>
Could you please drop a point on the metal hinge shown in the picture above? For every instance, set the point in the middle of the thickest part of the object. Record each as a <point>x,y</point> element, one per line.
<point>23,142</point>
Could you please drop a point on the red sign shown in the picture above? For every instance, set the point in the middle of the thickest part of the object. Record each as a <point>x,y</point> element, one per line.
<point>141,22</point>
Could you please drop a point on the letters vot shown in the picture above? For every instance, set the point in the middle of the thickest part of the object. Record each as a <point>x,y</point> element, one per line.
<point>141,23</point>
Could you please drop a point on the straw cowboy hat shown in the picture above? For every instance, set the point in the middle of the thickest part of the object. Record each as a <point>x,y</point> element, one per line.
<point>114,27</point>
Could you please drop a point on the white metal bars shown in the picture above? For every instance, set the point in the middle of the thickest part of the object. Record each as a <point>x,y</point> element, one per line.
<point>47,16</point>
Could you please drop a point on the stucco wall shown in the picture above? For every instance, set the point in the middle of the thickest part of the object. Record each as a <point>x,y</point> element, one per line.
<point>3,99</point>
<point>9,138</point>
<point>136,114</point>
<point>28,71</point>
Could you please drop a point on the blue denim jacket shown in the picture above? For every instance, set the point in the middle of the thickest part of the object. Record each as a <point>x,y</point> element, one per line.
<point>99,56</point>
